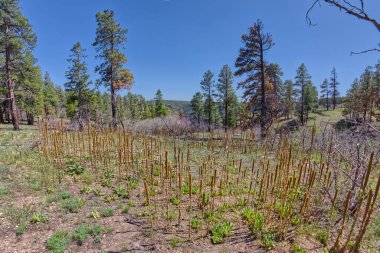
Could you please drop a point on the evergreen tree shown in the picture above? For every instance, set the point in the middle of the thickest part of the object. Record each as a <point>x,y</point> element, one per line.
<point>325,90</point>
<point>50,97</point>
<point>77,86</point>
<point>352,103</point>
<point>366,90</point>
<point>302,79</point>
<point>197,107</point>
<point>251,63</point>
<point>29,87</point>
<point>60,110</point>
<point>161,109</point>
<point>227,97</point>
<point>110,40</point>
<point>207,85</point>
<point>289,98</point>
<point>16,36</point>
<point>310,99</point>
<point>274,72</point>
<point>334,87</point>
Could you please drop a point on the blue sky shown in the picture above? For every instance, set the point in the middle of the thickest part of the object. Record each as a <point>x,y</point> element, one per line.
<point>171,43</point>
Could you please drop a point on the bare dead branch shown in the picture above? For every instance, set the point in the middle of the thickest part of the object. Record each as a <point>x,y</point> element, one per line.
<point>349,8</point>
<point>366,51</point>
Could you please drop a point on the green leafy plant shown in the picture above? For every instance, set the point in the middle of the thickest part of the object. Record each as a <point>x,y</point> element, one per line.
<point>125,209</point>
<point>268,241</point>
<point>176,200</point>
<point>73,205</point>
<point>298,249</point>
<point>220,231</point>
<point>175,242</point>
<point>106,212</point>
<point>75,169</point>
<point>120,191</point>
<point>38,217</point>
<point>255,221</point>
<point>323,237</point>
<point>85,189</point>
<point>80,234</point>
<point>95,214</point>
<point>20,229</point>
<point>58,242</point>
<point>196,223</point>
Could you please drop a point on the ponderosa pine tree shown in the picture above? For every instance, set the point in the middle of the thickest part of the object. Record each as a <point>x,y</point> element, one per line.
<point>16,36</point>
<point>302,79</point>
<point>161,109</point>
<point>197,107</point>
<point>79,95</point>
<point>29,87</point>
<point>251,63</point>
<point>226,96</point>
<point>325,92</point>
<point>110,40</point>
<point>207,85</point>
<point>333,85</point>
<point>50,97</point>
<point>288,98</point>
<point>61,109</point>
<point>311,99</point>
<point>366,90</point>
<point>274,72</point>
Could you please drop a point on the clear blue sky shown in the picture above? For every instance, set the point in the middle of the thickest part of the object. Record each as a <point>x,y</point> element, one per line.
<point>171,43</point>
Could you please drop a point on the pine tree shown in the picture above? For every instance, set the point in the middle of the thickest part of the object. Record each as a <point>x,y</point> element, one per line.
<point>352,101</point>
<point>79,95</point>
<point>29,87</point>
<point>50,97</point>
<point>110,40</point>
<point>60,110</point>
<point>274,72</point>
<point>289,98</point>
<point>161,109</point>
<point>334,87</point>
<point>226,96</point>
<point>310,99</point>
<point>207,85</point>
<point>366,90</point>
<point>16,36</point>
<point>251,63</point>
<point>302,79</point>
<point>197,107</point>
<point>325,90</point>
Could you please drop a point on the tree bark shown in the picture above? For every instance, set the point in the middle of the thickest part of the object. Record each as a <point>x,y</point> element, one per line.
<point>113,98</point>
<point>226,109</point>
<point>10,86</point>
<point>30,118</point>
<point>263,98</point>
<point>2,121</point>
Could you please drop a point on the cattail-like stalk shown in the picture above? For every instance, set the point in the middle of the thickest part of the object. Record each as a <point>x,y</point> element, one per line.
<point>147,193</point>
<point>337,241</point>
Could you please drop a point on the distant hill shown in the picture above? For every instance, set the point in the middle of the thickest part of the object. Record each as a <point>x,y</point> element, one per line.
<point>179,106</point>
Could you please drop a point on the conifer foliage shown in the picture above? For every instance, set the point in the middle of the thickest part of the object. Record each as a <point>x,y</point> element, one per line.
<point>251,64</point>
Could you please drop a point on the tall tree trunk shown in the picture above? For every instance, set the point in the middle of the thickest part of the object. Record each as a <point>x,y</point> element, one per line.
<point>302,103</point>
<point>209,110</point>
<point>10,86</point>
<point>263,118</point>
<point>226,110</point>
<point>113,105</point>
<point>30,118</point>
<point>113,97</point>
<point>2,121</point>
<point>327,97</point>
